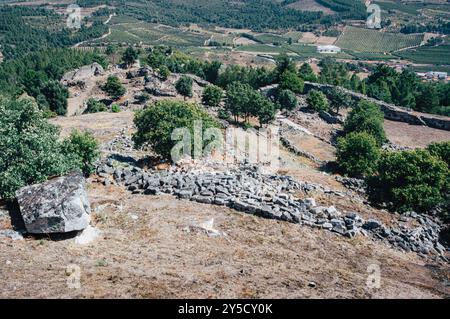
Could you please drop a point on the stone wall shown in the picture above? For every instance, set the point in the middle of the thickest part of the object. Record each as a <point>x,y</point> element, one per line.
<point>391,112</point>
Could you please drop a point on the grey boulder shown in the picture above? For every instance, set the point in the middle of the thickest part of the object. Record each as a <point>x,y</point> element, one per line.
<point>59,205</point>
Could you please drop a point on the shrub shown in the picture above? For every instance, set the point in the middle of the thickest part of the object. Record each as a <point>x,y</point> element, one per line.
<point>441,150</point>
<point>184,86</point>
<point>212,95</point>
<point>156,124</point>
<point>287,100</point>
<point>366,117</point>
<point>317,101</point>
<point>115,108</point>
<point>114,88</point>
<point>142,98</point>
<point>409,180</point>
<point>290,81</point>
<point>94,106</point>
<point>163,72</point>
<point>30,150</point>
<point>81,148</point>
<point>358,154</point>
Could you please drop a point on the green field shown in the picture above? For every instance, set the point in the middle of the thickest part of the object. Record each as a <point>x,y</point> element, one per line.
<point>131,31</point>
<point>425,54</point>
<point>365,40</point>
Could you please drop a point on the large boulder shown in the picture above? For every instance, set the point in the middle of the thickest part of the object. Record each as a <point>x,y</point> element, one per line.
<point>79,76</point>
<point>59,205</point>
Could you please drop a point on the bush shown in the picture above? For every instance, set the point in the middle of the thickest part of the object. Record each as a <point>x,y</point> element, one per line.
<point>441,150</point>
<point>82,150</point>
<point>163,72</point>
<point>410,180</point>
<point>184,86</point>
<point>115,108</point>
<point>156,124</point>
<point>30,150</point>
<point>287,100</point>
<point>358,154</point>
<point>114,88</point>
<point>366,117</point>
<point>212,95</point>
<point>94,106</point>
<point>142,98</point>
<point>290,81</point>
<point>317,101</point>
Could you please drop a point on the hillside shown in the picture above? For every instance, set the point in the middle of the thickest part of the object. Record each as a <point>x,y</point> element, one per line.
<point>210,149</point>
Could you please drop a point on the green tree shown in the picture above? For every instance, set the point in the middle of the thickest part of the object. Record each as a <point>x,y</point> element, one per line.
<point>238,97</point>
<point>317,101</point>
<point>366,117</point>
<point>130,56</point>
<point>306,73</point>
<point>264,109</point>
<point>212,95</point>
<point>82,150</point>
<point>287,100</point>
<point>427,99</point>
<point>114,88</point>
<point>358,154</point>
<point>284,64</point>
<point>339,99</point>
<point>111,51</point>
<point>184,86</point>
<point>56,96</point>
<point>30,147</point>
<point>290,81</point>
<point>409,180</point>
<point>156,124</point>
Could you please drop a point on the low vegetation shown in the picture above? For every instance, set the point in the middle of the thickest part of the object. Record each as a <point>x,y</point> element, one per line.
<point>156,123</point>
<point>32,151</point>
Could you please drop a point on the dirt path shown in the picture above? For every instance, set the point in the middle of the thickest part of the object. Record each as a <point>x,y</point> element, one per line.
<point>100,38</point>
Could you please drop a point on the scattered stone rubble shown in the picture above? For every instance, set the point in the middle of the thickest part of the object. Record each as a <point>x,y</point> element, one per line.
<point>248,190</point>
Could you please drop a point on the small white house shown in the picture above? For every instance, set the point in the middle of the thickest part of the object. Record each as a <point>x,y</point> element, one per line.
<point>436,75</point>
<point>329,49</point>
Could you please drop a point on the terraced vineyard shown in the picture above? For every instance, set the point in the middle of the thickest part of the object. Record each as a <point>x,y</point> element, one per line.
<point>365,40</point>
<point>426,54</point>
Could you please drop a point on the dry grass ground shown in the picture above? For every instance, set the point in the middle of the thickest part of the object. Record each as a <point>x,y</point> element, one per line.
<point>145,251</point>
<point>413,135</point>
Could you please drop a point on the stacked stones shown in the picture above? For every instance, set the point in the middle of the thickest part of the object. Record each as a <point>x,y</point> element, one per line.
<point>247,190</point>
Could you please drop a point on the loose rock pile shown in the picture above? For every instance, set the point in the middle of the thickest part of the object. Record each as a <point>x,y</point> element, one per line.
<point>247,190</point>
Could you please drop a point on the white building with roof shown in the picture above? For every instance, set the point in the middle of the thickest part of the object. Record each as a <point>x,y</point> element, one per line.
<point>329,49</point>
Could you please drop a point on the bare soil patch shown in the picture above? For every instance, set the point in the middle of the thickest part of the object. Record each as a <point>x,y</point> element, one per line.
<point>145,251</point>
<point>414,136</point>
